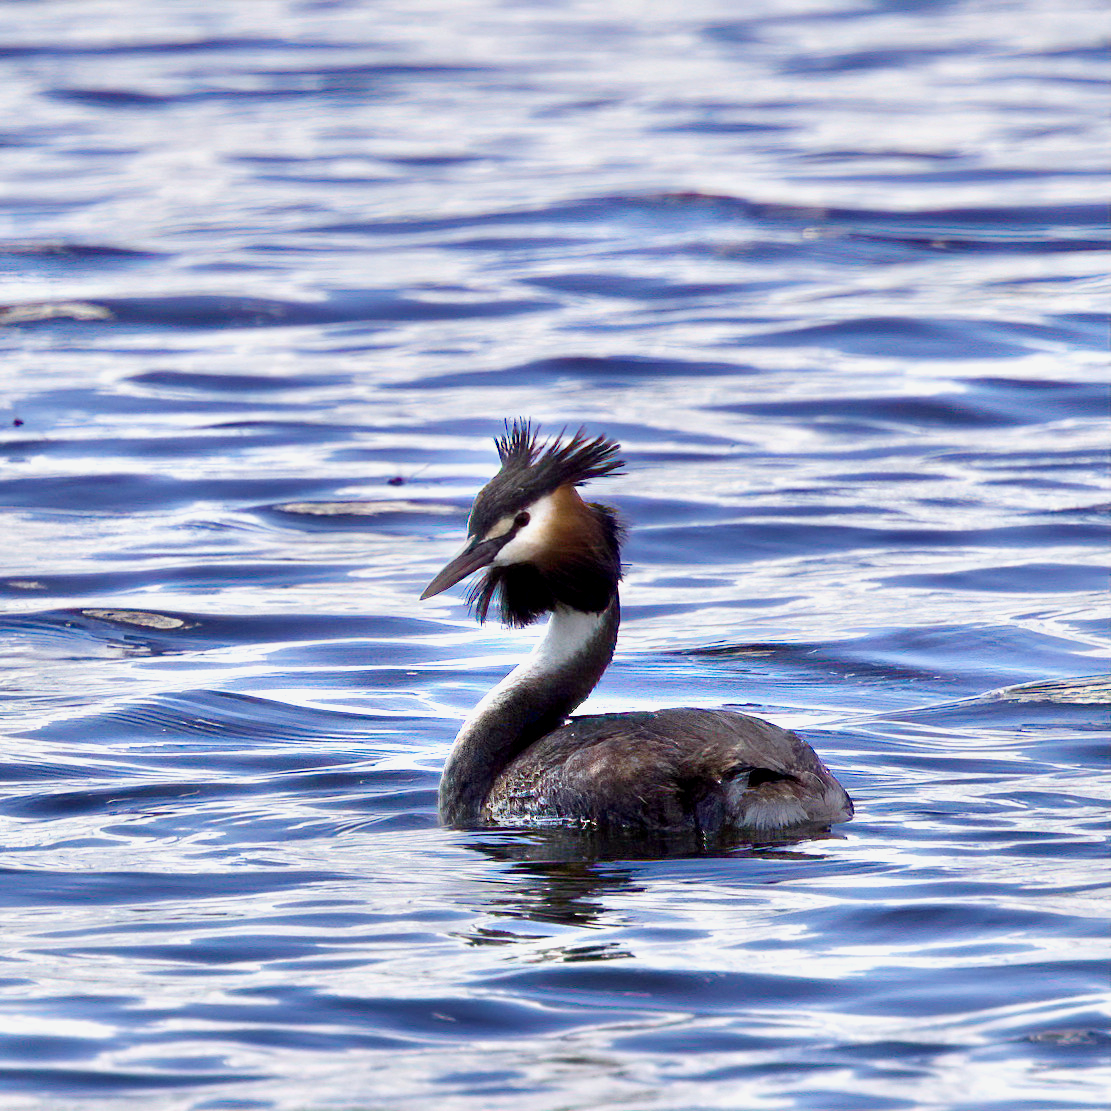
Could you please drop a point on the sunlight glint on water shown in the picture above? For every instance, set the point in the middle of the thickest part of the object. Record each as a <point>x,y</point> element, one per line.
<point>273,276</point>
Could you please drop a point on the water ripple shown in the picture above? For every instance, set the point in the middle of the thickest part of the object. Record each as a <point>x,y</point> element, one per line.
<point>836,280</point>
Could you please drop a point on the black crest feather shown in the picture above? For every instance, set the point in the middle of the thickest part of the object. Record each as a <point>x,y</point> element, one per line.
<point>531,468</point>
<point>556,462</point>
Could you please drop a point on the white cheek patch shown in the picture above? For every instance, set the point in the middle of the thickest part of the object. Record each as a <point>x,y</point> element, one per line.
<point>534,538</point>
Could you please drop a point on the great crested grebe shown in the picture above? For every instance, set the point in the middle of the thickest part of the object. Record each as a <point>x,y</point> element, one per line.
<point>519,760</point>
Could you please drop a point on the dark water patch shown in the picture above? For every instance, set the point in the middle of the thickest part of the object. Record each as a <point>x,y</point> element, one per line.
<point>203,576</point>
<point>902,993</point>
<point>287,431</point>
<point>119,798</point>
<point>867,60</point>
<point>905,156</point>
<point>141,631</point>
<point>110,493</point>
<point>1048,459</point>
<point>45,1047</point>
<point>326,918</point>
<point>236,384</point>
<point>636,288</point>
<point>418,455</point>
<point>139,493</point>
<point>600,371</point>
<point>590,210</point>
<point>980,657</point>
<point>981,403</point>
<point>752,540</point>
<point>287,1033</point>
<point>658,989</point>
<point>958,176</point>
<point>949,243</point>
<point>250,787</point>
<point>308,178</point>
<point>349,77</point>
<point>228,719</point>
<point>245,948</point>
<point>1022,578</point>
<point>697,1040</point>
<point>437,1018</point>
<point>377,81</point>
<point>644,512</point>
<point>106,1083</point>
<point>298,641</point>
<point>1092,327</point>
<point>920,338</point>
<point>185,45</point>
<point>433,161</point>
<point>66,252</point>
<point>935,924</point>
<point>1035,229</point>
<point>210,311</point>
<point>49,406</point>
<point>1003,218</point>
<point>281,161</point>
<point>658,442</point>
<point>520,243</point>
<point>1008,229</point>
<point>116,98</point>
<point>735,32</point>
<point>220,440</point>
<point>1077,703</point>
<point>725,127</point>
<point>25,888</point>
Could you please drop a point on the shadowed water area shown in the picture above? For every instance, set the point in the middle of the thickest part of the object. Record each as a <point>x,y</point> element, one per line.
<point>272,275</point>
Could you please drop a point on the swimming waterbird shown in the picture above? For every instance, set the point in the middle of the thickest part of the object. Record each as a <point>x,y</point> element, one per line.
<point>519,760</point>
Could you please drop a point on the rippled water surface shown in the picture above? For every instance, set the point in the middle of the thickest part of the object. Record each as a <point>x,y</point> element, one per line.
<point>274,273</point>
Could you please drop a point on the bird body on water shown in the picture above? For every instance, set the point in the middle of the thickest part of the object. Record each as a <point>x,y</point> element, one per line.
<point>519,760</point>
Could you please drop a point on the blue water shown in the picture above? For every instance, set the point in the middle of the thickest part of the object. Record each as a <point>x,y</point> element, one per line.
<point>835,274</point>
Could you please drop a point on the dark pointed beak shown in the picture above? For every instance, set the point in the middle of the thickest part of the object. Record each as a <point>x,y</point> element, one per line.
<point>479,553</point>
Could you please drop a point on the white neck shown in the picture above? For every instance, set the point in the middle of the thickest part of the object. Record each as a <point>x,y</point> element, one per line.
<point>529,702</point>
<point>566,636</point>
